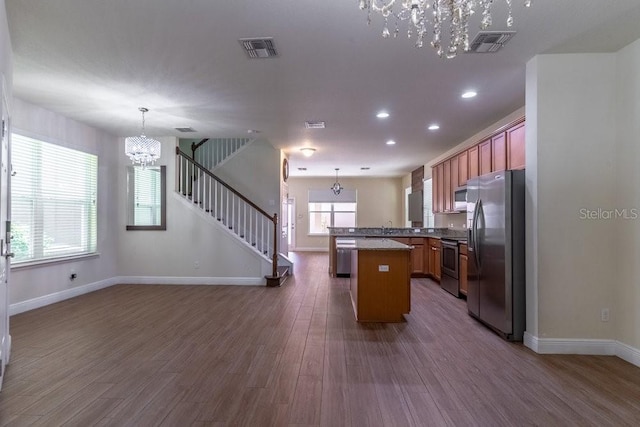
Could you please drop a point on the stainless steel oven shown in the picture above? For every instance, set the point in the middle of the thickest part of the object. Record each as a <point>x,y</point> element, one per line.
<point>449,278</point>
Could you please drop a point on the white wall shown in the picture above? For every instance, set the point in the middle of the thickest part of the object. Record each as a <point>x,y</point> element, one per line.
<point>379,200</point>
<point>37,281</point>
<point>626,312</point>
<point>583,151</point>
<point>6,62</point>
<point>575,150</point>
<point>190,236</point>
<point>255,173</point>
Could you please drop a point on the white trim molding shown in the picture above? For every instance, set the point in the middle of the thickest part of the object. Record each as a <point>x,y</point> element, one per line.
<point>583,346</point>
<point>156,280</point>
<point>320,249</point>
<point>32,304</point>
<point>38,302</point>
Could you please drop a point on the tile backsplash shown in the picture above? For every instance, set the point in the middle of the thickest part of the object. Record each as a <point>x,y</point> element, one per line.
<point>456,221</point>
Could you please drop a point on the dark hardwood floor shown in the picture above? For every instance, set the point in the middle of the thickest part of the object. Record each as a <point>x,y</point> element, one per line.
<point>134,355</point>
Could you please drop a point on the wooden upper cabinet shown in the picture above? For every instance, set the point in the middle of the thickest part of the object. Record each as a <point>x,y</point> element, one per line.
<point>454,177</point>
<point>484,162</point>
<point>515,147</point>
<point>499,152</point>
<point>448,194</point>
<point>437,190</point>
<point>474,162</point>
<point>463,168</point>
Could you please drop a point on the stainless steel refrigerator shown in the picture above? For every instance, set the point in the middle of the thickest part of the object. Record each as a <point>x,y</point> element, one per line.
<point>496,248</point>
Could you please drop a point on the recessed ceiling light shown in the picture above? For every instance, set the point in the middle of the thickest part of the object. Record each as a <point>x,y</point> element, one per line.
<point>469,94</point>
<point>382,115</point>
<point>391,142</point>
<point>307,151</point>
<point>434,127</point>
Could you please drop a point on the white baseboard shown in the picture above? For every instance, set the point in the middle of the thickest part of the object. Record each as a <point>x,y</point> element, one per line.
<point>32,304</point>
<point>583,346</point>
<point>155,280</point>
<point>321,249</point>
<point>628,353</point>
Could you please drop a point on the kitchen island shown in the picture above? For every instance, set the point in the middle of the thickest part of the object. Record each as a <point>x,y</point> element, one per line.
<point>424,242</point>
<point>380,281</point>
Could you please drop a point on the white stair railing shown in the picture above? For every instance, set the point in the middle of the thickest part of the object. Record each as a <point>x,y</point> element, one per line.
<point>211,152</point>
<point>219,200</point>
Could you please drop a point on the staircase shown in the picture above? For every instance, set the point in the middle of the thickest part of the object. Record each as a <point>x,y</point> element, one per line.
<point>237,214</point>
<point>213,152</point>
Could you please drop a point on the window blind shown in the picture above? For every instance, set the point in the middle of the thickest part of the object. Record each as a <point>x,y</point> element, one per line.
<point>53,200</point>
<point>327,196</point>
<point>147,196</point>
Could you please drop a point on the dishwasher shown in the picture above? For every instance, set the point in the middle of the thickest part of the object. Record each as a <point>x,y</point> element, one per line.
<point>343,256</point>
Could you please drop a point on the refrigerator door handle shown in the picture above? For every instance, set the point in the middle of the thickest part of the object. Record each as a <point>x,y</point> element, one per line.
<point>477,239</point>
<point>474,233</point>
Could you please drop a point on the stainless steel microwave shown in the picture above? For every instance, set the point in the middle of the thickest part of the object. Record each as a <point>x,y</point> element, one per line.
<point>460,199</point>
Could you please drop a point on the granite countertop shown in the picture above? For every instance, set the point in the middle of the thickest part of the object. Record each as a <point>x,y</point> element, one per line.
<point>380,245</point>
<point>435,233</point>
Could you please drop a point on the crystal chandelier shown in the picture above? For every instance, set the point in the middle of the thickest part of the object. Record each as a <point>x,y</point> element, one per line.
<point>435,13</point>
<point>336,187</point>
<point>142,150</point>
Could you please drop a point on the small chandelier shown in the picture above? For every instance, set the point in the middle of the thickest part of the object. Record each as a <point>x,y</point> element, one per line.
<point>141,149</point>
<point>336,187</point>
<point>422,13</point>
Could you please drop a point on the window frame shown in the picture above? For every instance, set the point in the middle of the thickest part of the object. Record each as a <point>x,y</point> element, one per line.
<point>163,199</point>
<point>89,204</point>
<point>332,213</point>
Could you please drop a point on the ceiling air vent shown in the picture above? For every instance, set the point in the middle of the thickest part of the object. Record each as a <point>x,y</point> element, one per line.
<point>263,47</point>
<point>490,41</point>
<point>314,125</point>
<point>185,130</point>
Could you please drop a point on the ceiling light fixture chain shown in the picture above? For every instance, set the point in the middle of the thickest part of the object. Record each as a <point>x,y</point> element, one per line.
<point>436,13</point>
<point>142,150</point>
<point>337,187</point>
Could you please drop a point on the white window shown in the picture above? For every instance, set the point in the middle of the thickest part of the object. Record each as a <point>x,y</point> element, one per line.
<point>145,198</point>
<point>328,210</point>
<point>53,201</point>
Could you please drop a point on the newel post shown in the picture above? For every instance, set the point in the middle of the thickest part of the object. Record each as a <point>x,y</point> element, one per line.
<point>275,246</point>
<point>274,280</point>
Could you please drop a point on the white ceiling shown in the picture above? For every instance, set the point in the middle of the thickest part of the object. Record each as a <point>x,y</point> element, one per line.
<point>97,61</point>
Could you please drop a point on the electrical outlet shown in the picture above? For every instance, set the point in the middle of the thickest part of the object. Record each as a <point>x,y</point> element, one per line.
<point>604,315</point>
<point>196,265</point>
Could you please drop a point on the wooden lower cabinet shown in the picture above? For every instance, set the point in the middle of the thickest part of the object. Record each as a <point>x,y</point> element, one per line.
<point>380,294</point>
<point>418,268</point>
<point>417,258</point>
<point>434,258</point>
<point>462,269</point>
